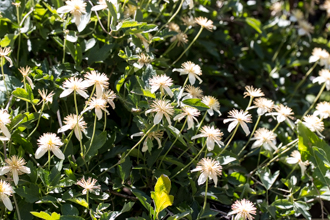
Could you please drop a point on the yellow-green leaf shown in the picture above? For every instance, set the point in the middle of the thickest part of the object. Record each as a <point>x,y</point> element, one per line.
<point>161,195</point>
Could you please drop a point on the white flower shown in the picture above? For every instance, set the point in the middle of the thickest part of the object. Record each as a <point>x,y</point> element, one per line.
<point>15,165</point>
<point>5,191</point>
<point>70,122</point>
<point>326,6</point>
<point>238,117</point>
<point>181,39</point>
<point>130,10</point>
<point>152,135</point>
<point>252,92</point>
<point>144,60</point>
<point>74,84</point>
<point>264,105</point>
<point>323,109</point>
<point>162,108</point>
<point>305,28</point>
<point>103,5</point>
<point>212,103</point>
<point>99,104</point>
<point>190,113</point>
<point>205,23</point>
<point>4,120</point>
<point>297,15</point>
<point>243,210</point>
<point>174,27</point>
<point>25,73</point>
<point>209,168</point>
<point>46,98</point>
<point>283,113</point>
<point>162,82</point>
<point>49,142</point>
<point>323,78</point>
<point>76,8</point>
<point>314,123</point>
<point>109,96</point>
<point>276,8</point>
<point>99,80</point>
<point>213,135</point>
<point>88,185</point>
<point>192,70</point>
<point>189,21</point>
<point>192,93</point>
<point>4,52</point>
<point>264,137</point>
<point>319,54</point>
<point>296,158</point>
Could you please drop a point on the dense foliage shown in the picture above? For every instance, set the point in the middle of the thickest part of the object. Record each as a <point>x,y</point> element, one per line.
<point>164,109</point>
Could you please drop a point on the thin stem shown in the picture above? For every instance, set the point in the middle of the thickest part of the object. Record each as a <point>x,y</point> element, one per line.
<point>259,156</point>
<point>108,22</point>
<point>123,159</point>
<point>92,139</point>
<point>303,80</point>
<point>200,124</point>
<point>276,126</point>
<point>170,48</point>
<point>17,208</point>
<point>177,137</point>
<point>19,46</point>
<point>254,129</point>
<point>105,121</point>
<point>173,16</point>
<point>69,138</point>
<point>87,197</point>
<point>90,97</point>
<point>200,31</point>
<point>3,73</point>
<point>77,113</point>
<point>4,149</point>
<point>315,100</point>
<point>250,102</point>
<point>42,108</point>
<point>231,138</point>
<point>27,104</point>
<point>64,46</point>
<point>190,161</point>
<point>49,160</point>
<point>294,167</point>
<point>205,198</point>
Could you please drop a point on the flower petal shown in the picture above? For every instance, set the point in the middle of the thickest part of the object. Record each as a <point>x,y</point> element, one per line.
<point>6,201</point>
<point>58,153</point>
<point>40,152</point>
<point>66,92</point>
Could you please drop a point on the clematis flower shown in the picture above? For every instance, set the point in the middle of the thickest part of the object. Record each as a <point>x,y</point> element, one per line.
<point>151,136</point>
<point>322,109</point>
<point>99,104</point>
<point>89,185</point>
<point>130,10</point>
<point>46,97</point>
<point>109,96</point>
<point>4,52</point>
<point>49,142</point>
<point>205,23</point>
<point>99,80</point>
<point>190,113</point>
<point>192,70</point>
<point>243,210</point>
<point>70,122</point>
<point>283,113</point>
<point>213,105</point>
<point>144,60</point>
<point>326,7</point>
<point>305,28</point>
<point>238,117</point>
<point>181,39</point>
<point>212,134</point>
<point>319,54</point>
<point>15,165</point>
<point>296,159</point>
<point>252,92</point>
<point>189,21</point>
<point>162,82</point>
<point>263,105</point>
<point>101,5</point>
<point>5,191</point>
<point>296,15</point>
<point>74,84</point>
<point>162,108</point>
<point>209,168</point>
<point>192,93</point>
<point>314,123</point>
<point>323,78</point>
<point>4,120</point>
<point>174,27</point>
<point>76,8</point>
<point>25,73</point>
<point>264,137</point>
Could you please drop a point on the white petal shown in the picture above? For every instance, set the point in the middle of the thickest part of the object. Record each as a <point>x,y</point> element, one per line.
<point>210,111</point>
<point>303,168</point>
<point>228,120</point>
<point>99,113</point>
<point>98,7</point>
<point>58,153</point>
<point>179,117</point>
<point>145,145</point>
<point>280,118</point>
<point>232,125</point>
<point>137,134</point>
<point>64,9</point>
<point>76,19</point>
<point>15,176</point>
<point>168,119</point>
<point>154,89</point>
<point>313,59</point>
<point>199,79</point>
<point>197,169</point>
<point>261,111</point>
<point>192,79</point>
<point>66,92</point>
<point>291,160</point>
<point>30,82</point>
<point>168,90</point>
<point>158,118</point>
<point>245,128</point>
<point>202,178</point>
<point>256,144</point>
<point>77,133</point>
<point>99,91</point>
<point>4,170</point>
<point>190,122</point>
<point>209,144</point>
<point>9,60</point>
<point>25,170</point>
<point>198,136</point>
<point>63,128</point>
<point>215,179</point>
<point>5,130</point>
<point>159,142</point>
<point>6,201</point>
<point>82,93</point>
<point>40,152</point>
<point>270,143</point>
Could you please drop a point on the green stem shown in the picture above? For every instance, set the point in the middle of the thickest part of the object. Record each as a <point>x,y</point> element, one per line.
<point>69,138</point>
<point>90,97</point>
<point>27,104</point>
<point>170,48</point>
<point>92,139</point>
<point>259,156</point>
<point>190,161</point>
<point>77,124</point>
<point>173,16</point>
<point>19,47</point>
<point>276,127</point>
<point>40,114</point>
<point>254,129</point>
<point>105,121</point>
<point>49,160</point>
<point>200,31</point>
<point>205,198</point>
<point>17,208</point>
<point>293,168</point>
<point>231,138</point>
<point>87,197</point>
<point>303,80</point>
<point>250,102</point>
<point>123,159</point>
<point>200,124</point>
<point>3,73</point>
<point>316,99</point>
<point>177,137</point>
<point>108,22</point>
<point>64,46</point>
<point>278,50</point>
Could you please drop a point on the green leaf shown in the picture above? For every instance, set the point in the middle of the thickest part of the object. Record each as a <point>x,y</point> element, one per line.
<point>46,216</point>
<point>283,204</point>
<point>161,195</point>
<point>29,193</point>
<point>197,103</point>
<point>127,24</point>
<point>223,160</point>
<point>267,178</point>
<point>113,11</point>
<point>79,201</point>
<point>25,95</point>
<point>55,173</point>
<point>124,169</point>
<point>254,23</point>
<point>302,208</point>
<point>120,82</point>
<point>176,133</point>
<point>98,142</point>
<point>144,199</point>
<point>143,92</point>
<point>71,217</point>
